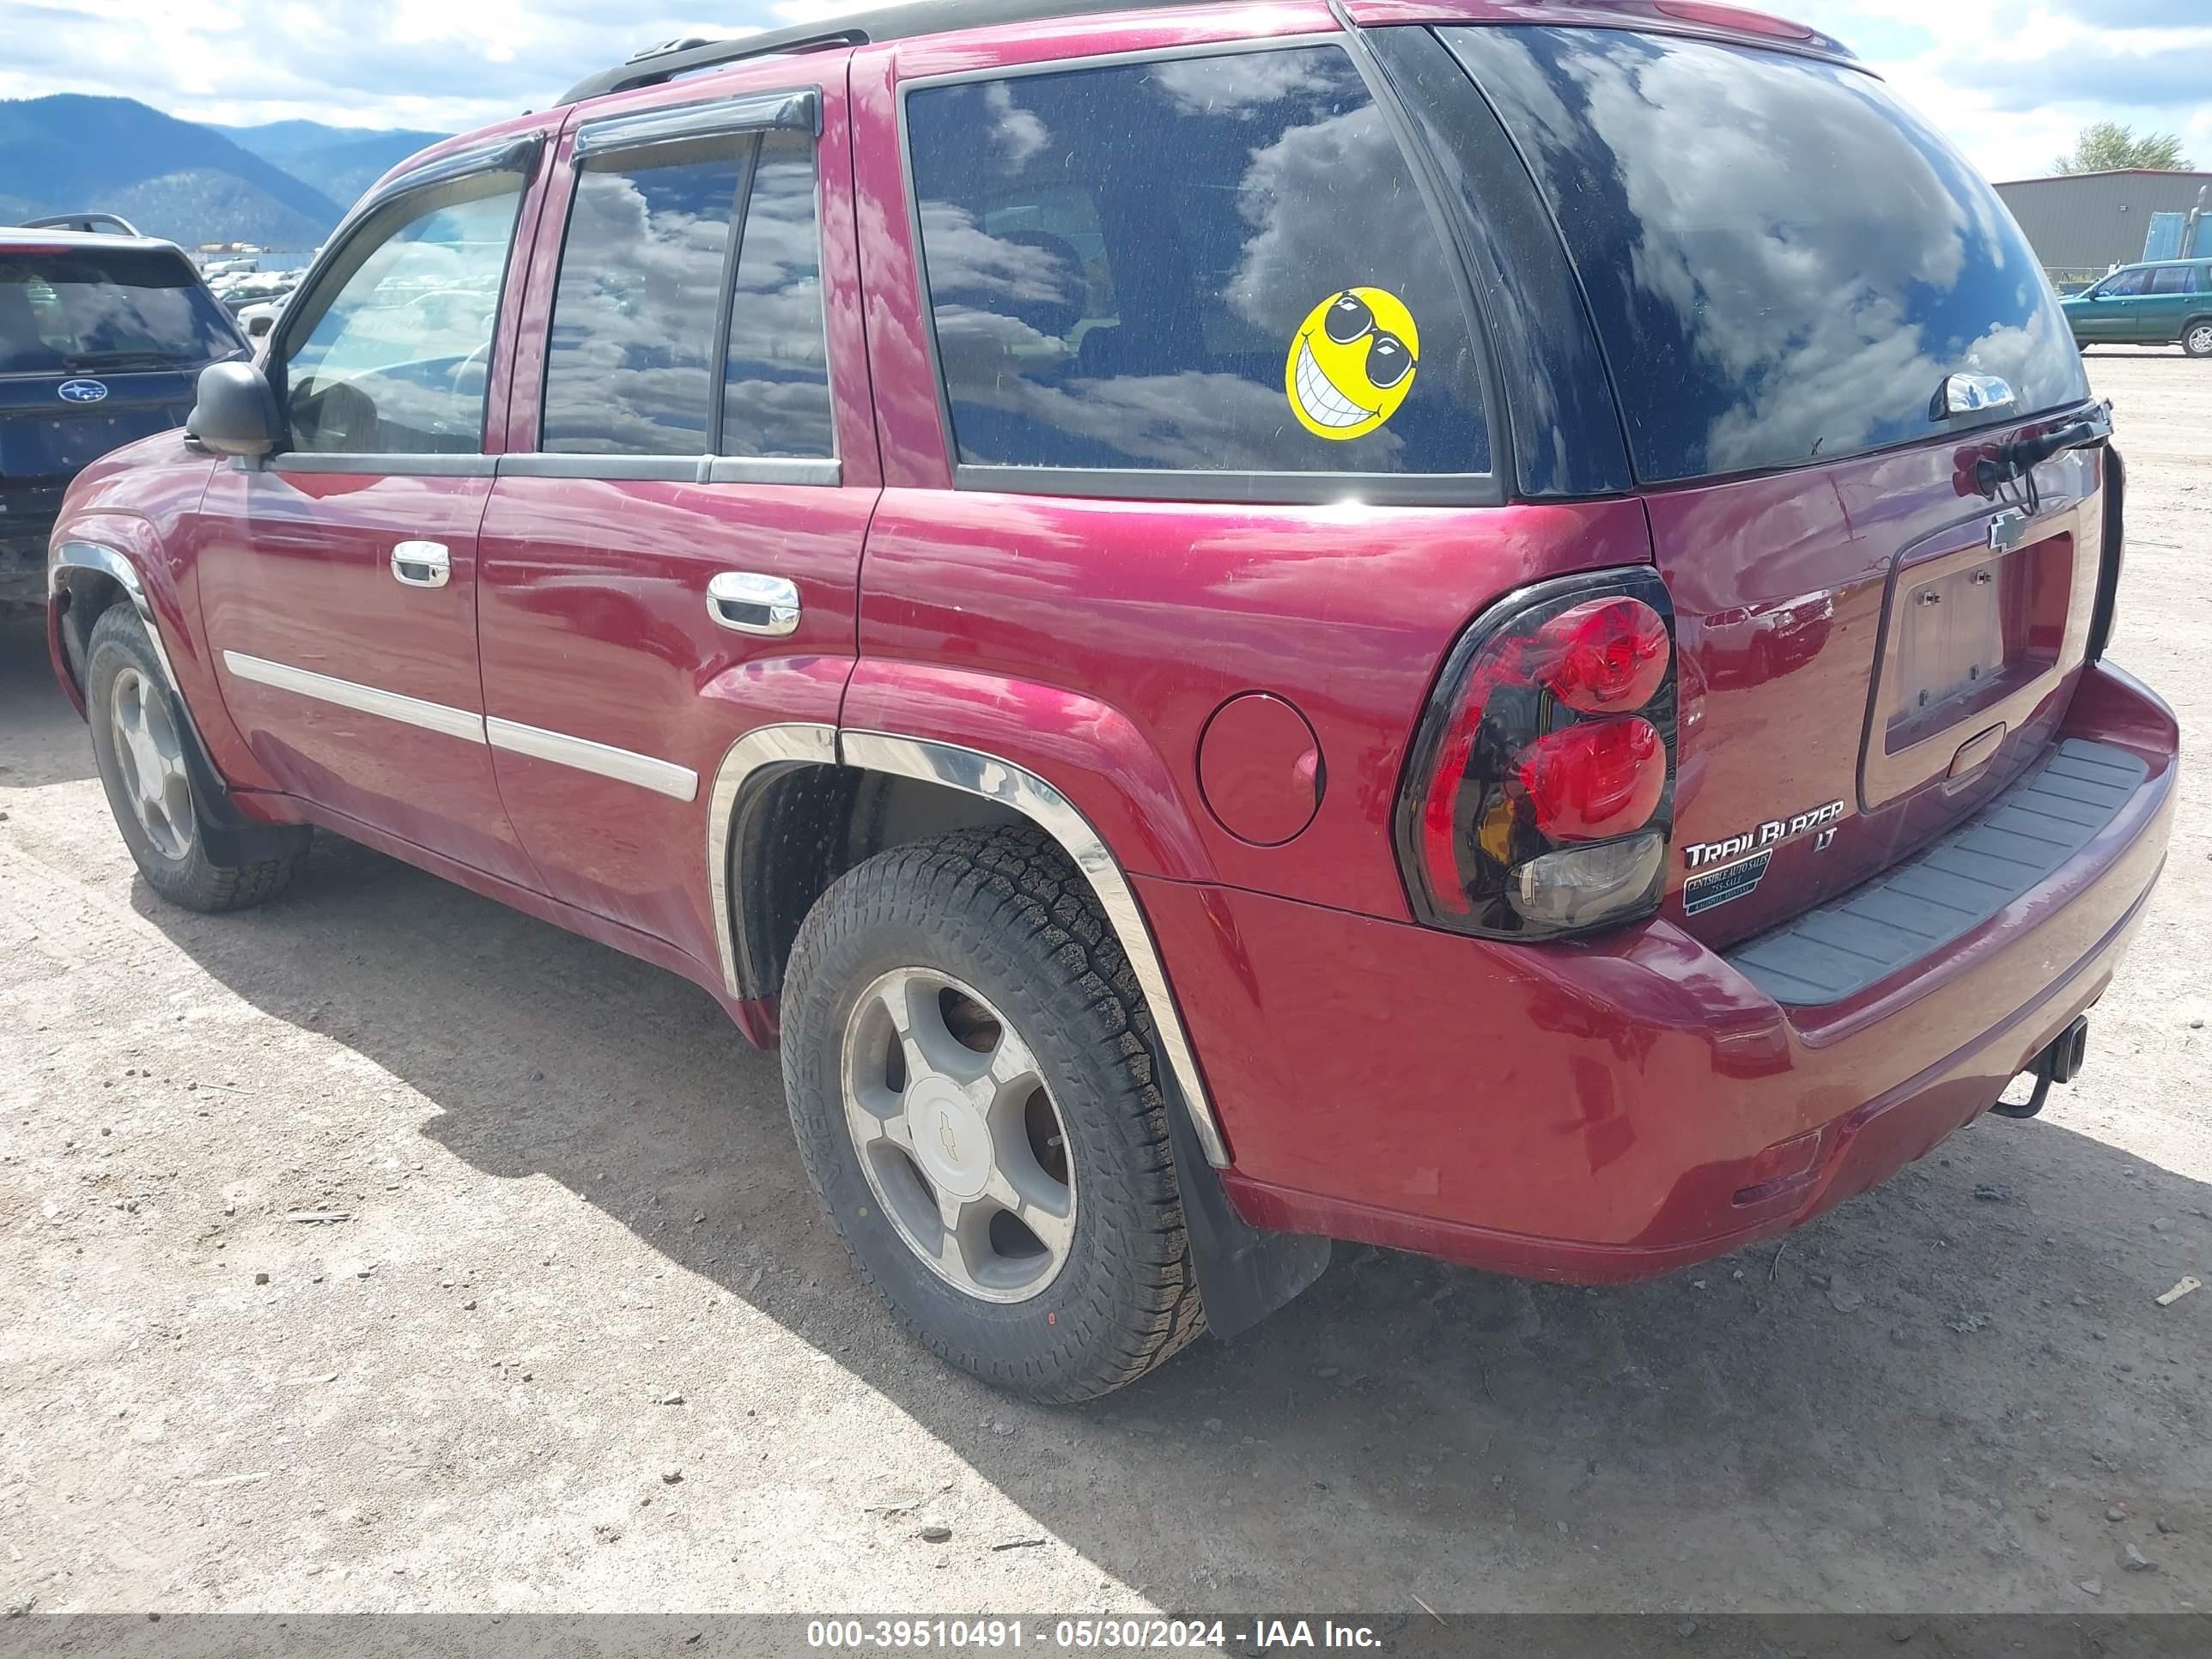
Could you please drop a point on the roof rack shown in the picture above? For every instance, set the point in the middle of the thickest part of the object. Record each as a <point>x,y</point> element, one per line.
<point>657,65</point>
<point>90,224</point>
<point>664,63</point>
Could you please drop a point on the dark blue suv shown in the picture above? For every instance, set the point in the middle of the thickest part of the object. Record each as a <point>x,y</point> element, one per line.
<point>101,341</point>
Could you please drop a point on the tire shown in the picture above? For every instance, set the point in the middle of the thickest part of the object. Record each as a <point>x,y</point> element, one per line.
<point>137,722</point>
<point>2197,336</point>
<point>1000,921</point>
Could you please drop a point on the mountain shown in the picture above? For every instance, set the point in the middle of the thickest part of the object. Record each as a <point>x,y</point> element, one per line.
<point>170,178</point>
<point>339,161</point>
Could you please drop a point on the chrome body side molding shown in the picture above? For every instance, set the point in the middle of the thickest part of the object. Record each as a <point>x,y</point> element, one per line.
<point>978,774</point>
<point>463,723</point>
<point>624,765</point>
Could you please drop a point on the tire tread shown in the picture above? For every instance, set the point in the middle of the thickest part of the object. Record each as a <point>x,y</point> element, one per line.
<point>1013,882</point>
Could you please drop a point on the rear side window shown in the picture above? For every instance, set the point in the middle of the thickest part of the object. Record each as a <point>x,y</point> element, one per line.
<point>1783,262</point>
<point>2174,279</point>
<point>1209,262</point>
<point>776,383</point>
<point>62,313</point>
<point>630,361</point>
<point>640,359</point>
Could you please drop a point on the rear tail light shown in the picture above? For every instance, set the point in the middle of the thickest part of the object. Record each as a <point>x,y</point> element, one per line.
<point>1539,796</point>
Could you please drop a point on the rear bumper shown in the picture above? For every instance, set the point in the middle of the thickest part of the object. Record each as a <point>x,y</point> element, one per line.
<point>1597,1113</point>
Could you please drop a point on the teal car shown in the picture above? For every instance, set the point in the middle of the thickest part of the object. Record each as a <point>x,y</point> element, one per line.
<point>2147,305</point>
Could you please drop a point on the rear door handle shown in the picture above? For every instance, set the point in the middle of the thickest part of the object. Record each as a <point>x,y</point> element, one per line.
<point>746,601</point>
<point>423,564</point>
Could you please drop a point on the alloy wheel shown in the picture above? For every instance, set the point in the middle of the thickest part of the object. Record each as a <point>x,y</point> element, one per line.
<point>150,758</point>
<point>959,1135</point>
<point>2200,339</point>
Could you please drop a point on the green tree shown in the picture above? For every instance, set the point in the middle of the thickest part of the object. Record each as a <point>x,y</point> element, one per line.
<point>2104,145</point>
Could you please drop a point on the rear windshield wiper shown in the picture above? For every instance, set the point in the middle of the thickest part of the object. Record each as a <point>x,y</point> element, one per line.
<point>2020,459</point>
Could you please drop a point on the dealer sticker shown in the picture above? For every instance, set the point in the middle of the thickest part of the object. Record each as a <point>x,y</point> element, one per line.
<point>1717,887</point>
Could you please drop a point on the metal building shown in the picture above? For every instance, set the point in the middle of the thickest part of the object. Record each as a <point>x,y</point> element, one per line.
<point>2082,224</point>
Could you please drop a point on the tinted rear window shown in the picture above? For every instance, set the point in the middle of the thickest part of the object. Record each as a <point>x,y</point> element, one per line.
<point>1784,261</point>
<point>106,308</point>
<point>1211,263</point>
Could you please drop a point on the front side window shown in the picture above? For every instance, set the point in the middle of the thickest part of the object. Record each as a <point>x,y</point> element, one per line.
<point>1213,263</point>
<point>2122,285</point>
<point>2174,279</point>
<point>1783,262</point>
<point>66,310</point>
<point>390,356</point>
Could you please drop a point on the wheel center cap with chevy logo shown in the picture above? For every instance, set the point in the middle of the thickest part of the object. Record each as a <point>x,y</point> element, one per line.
<point>82,391</point>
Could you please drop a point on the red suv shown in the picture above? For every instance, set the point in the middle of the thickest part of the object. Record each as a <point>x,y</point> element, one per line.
<point>1466,624</point>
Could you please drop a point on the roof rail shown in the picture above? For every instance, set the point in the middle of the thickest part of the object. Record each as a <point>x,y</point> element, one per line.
<point>91,224</point>
<point>656,64</point>
<point>664,63</point>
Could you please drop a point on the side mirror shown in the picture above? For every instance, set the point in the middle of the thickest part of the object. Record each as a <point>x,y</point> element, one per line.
<point>260,327</point>
<point>236,414</point>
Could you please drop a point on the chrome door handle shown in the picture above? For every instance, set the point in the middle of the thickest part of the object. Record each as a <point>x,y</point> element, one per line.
<point>748,603</point>
<point>423,564</point>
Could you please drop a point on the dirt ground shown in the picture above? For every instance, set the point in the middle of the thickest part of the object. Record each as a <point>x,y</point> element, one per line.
<point>585,1343</point>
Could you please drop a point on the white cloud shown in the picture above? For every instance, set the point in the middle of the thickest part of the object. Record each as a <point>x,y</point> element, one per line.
<point>2010,81</point>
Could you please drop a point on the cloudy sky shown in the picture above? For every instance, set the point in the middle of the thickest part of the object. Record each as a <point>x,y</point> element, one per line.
<point>2010,80</point>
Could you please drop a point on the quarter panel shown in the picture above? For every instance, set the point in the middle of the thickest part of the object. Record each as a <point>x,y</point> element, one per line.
<point>1092,641</point>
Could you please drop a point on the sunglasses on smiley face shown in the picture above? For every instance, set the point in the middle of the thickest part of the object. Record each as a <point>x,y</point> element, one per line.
<point>1350,319</point>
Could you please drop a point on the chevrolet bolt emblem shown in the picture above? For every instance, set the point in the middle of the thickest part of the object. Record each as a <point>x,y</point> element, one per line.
<point>945,1134</point>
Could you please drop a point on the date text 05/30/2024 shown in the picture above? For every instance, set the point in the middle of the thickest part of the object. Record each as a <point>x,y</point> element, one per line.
<point>1079,1635</point>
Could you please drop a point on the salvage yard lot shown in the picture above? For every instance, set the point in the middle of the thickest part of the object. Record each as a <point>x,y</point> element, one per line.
<point>582,1339</point>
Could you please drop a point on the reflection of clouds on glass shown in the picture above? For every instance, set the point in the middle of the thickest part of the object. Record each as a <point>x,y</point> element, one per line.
<point>966,260</point>
<point>973,345</point>
<point>776,394</point>
<point>1244,85</point>
<point>1316,236</point>
<point>631,346</point>
<point>1124,293</point>
<point>1017,133</point>
<point>1822,260</point>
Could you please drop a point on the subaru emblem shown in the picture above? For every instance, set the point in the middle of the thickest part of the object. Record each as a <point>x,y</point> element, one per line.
<point>83,392</point>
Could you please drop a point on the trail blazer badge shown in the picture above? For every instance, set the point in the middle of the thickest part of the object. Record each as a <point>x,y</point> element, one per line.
<point>1772,833</point>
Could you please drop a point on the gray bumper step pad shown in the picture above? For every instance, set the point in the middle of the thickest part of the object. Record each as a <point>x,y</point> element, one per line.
<point>1956,885</point>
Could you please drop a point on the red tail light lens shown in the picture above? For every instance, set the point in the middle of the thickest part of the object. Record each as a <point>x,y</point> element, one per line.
<point>1612,654</point>
<point>1539,795</point>
<point>1595,780</point>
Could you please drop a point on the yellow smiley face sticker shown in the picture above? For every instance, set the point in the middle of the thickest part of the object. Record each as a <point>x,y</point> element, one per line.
<point>1352,362</point>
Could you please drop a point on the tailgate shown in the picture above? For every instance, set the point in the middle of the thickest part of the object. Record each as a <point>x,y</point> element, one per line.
<point>1867,658</point>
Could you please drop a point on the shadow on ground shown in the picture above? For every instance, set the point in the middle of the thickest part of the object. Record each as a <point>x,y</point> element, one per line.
<point>1952,1387</point>
<point>46,742</point>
